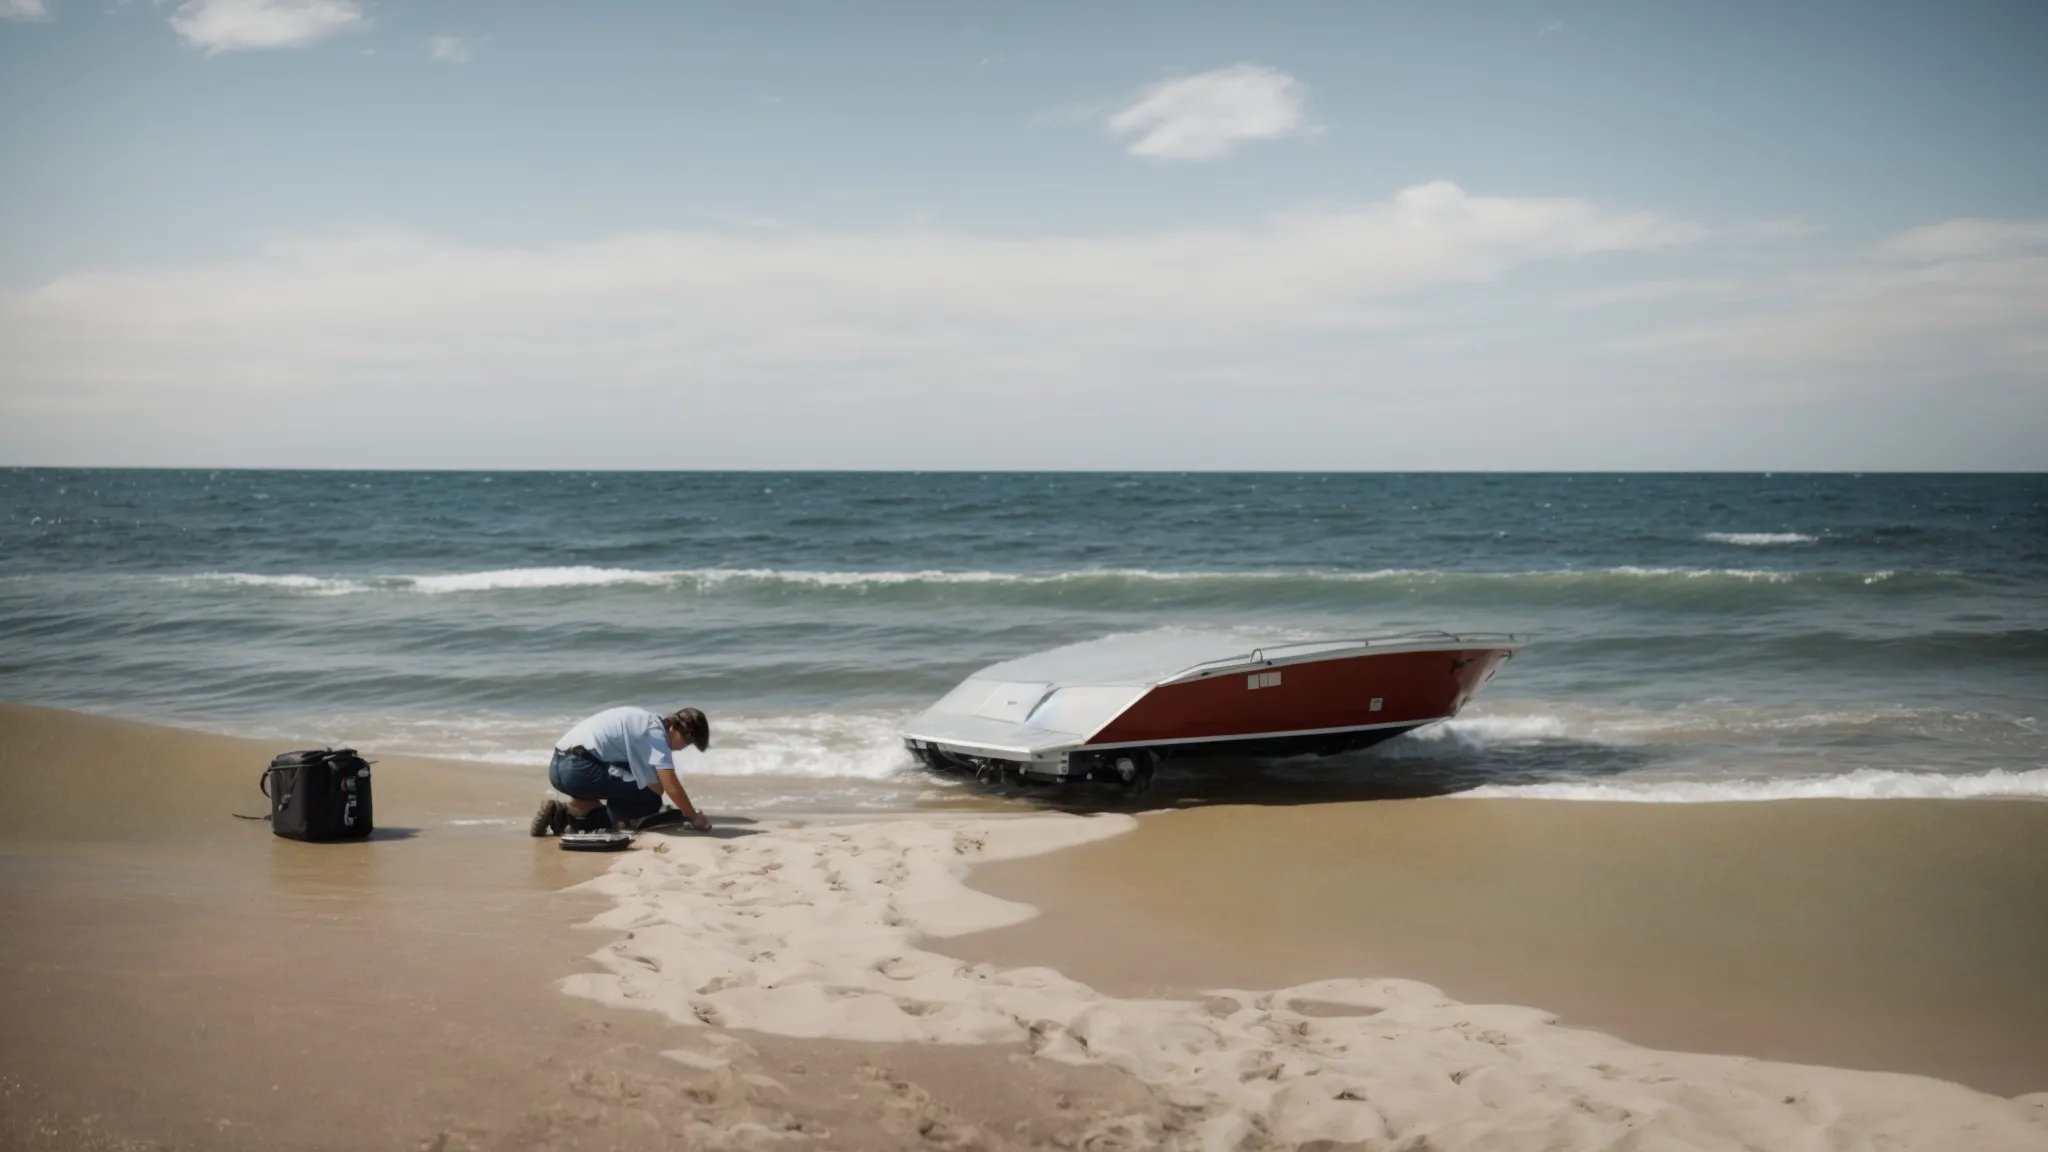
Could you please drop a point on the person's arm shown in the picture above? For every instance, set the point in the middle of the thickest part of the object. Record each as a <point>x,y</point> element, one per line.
<point>672,787</point>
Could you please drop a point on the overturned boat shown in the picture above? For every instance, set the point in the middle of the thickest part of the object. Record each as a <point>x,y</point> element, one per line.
<point>1109,710</point>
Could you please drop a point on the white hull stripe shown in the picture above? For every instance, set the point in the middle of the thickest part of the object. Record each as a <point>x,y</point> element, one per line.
<point>1247,737</point>
<point>1063,749</point>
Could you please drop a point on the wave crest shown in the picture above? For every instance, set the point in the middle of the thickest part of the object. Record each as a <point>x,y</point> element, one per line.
<point>500,579</point>
<point>1614,726</point>
<point>820,745</point>
<point>1860,784</point>
<point>710,579</point>
<point>1759,539</point>
<point>314,585</point>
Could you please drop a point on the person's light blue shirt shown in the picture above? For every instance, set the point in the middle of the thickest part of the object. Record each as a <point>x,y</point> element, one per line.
<point>630,736</point>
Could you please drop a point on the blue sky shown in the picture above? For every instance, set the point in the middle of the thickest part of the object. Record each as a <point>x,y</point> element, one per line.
<point>1565,235</point>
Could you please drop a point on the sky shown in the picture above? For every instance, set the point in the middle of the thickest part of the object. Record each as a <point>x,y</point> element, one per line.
<point>1343,236</point>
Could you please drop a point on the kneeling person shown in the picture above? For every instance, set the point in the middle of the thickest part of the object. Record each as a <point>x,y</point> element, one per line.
<point>619,764</point>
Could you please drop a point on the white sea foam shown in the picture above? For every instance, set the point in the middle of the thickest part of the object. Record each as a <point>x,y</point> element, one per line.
<point>1705,722</point>
<point>1861,784</point>
<point>1751,574</point>
<point>1759,539</point>
<point>827,744</point>
<point>818,746</point>
<point>707,579</point>
<point>315,585</point>
<point>821,745</point>
<point>1482,731</point>
<point>509,578</point>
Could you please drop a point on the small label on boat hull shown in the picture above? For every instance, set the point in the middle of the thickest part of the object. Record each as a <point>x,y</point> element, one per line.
<point>1259,680</point>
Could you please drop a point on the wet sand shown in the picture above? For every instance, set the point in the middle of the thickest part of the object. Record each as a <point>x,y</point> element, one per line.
<point>1907,936</point>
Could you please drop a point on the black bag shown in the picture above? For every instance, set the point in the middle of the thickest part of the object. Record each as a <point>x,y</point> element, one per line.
<point>322,794</point>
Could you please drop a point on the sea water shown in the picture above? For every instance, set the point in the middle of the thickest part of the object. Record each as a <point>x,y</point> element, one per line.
<point>1691,637</point>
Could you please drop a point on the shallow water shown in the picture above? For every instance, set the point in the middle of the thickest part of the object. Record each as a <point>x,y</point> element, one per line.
<point>1693,637</point>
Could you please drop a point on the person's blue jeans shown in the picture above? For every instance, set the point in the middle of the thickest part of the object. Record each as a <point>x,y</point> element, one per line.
<point>585,777</point>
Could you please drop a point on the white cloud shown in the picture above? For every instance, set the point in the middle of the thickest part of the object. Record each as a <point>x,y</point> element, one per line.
<point>1925,351</point>
<point>802,342</point>
<point>1963,239</point>
<point>237,25</point>
<point>1431,329</point>
<point>450,49</point>
<point>1202,117</point>
<point>1962,298</point>
<point>24,10</point>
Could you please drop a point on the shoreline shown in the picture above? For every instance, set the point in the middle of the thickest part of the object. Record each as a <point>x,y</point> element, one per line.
<point>150,998</point>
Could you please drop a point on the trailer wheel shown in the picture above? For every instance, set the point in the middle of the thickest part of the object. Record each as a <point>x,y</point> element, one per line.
<point>1131,770</point>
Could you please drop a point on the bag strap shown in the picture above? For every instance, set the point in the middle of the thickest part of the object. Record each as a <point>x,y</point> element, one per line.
<point>263,786</point>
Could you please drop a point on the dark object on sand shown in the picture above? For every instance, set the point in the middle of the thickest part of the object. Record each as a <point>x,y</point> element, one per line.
<point>319,794</point>
<point>666,818</point>
<point>596,841</point>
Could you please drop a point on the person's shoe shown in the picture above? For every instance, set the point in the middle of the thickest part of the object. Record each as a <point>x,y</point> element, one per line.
<point>549,819</point>
<point>598,819</point>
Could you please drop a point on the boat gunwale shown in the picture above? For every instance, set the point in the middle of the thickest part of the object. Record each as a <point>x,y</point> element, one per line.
<point>1345,648</point>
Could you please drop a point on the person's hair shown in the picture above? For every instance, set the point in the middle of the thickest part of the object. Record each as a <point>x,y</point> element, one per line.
<point>692,724</point>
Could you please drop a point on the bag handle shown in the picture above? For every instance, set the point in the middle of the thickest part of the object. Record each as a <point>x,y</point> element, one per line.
<point>263,786</point>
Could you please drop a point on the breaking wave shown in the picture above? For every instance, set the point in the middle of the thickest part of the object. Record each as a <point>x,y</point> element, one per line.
<point>712,579</point>
<point>861,749</point>
<point>1861,784</point>
<point>316,585</point>
<point>821,745</point>
<point>817,746</point>
<point>1622,727</point>
<point>512,578</point>
<point>1759,539</point>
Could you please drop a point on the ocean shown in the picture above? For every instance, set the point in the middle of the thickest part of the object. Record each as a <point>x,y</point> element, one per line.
<point>1690,637</point>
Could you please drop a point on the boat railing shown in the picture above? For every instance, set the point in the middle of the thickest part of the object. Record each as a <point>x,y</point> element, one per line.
<point>1263,653</point>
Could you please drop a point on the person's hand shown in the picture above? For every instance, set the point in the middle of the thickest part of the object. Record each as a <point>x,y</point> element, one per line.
<point>700,822</point>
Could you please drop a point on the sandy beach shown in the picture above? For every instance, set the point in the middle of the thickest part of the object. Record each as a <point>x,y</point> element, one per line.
<point>1904,936</point>
<point>1231,977</point>
<point>175,978</point>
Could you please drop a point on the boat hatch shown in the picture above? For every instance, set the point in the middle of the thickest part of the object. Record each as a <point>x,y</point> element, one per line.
<point>1010,701</point>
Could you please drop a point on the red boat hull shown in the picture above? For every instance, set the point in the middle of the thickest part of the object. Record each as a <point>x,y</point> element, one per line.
<point>1315,705</point>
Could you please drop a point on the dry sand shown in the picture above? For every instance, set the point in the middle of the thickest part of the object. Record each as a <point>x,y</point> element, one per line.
<point>174,978</point>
